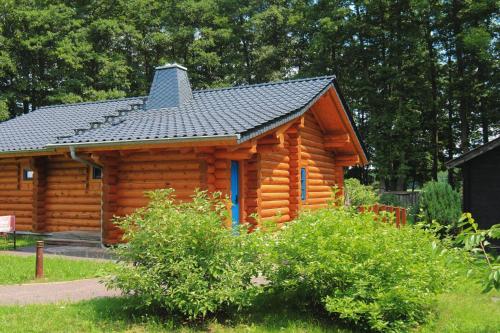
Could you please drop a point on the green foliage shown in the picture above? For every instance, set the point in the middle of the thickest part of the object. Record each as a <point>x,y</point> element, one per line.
<point>389,199</point>
<point>358,270</point>
<point>440,203</point>
<point>477,241</point>
<point>358,194</point>
<point>4,111</point>
<point>420,76</point>
<point>180,258</point>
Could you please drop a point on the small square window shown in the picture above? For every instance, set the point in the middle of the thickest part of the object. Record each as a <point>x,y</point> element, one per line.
<point>96,173</point>
<point>28,174</point>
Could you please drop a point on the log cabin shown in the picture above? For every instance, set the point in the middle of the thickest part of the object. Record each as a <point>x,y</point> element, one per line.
<point>272,148</point>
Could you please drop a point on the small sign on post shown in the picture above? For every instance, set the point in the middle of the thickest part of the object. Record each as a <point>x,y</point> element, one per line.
<point>8,226</point>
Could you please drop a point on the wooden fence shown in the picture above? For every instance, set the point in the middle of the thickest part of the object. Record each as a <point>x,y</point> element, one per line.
<point>405,198</point>
<point>399,212</point>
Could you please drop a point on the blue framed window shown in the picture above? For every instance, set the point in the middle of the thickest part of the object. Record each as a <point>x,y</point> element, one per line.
<point>303,182</point>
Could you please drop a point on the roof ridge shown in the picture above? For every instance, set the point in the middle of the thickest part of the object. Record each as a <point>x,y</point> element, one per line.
<point>90,102</point>
<point>245,86</point>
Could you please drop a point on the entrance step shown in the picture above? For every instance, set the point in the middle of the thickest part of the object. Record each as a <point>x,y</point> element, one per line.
<point>74,238</point>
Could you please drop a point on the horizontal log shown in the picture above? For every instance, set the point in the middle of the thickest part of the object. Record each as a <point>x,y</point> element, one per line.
<point>67,172</point>
<point>67,179</point>
<point>66,186</point>
<point>281,219</point>
<point>274,212</point>
<point>17,213</point>
<point>321,170</point>
<point>318,188</point>
<point>72,222</point>
<point>221,164</point>
<point>274,188</point>
<point>74,200</point>
<point>72,208</point>
<point>18,193</point>
<point>160,166</point>
<point>57,228</point>
<point>278,204</point>
<point>275,172</point>
<point>275,180</point>
<point>167,156</point>
<point>274,165</point>
<point>314,195</point>
<point>159,175</point>
<point>282,158</point>
<point>73,215</point>
<point>15,207</point>
<point>72,193</point>
<point>8,186</point>
<point>15,199</point>
<point>275,196</point>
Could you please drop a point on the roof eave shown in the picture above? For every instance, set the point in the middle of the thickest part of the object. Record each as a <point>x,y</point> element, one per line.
<point>26,152</point>
<point>138,142</point>
<point>472,154</point>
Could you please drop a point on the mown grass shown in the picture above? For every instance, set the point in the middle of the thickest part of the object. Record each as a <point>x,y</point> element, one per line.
<point>16,269</point>
<point>7,243</point>
<point>464,310</point>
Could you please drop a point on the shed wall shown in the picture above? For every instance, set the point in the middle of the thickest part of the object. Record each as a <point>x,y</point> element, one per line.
<point>482,188</point>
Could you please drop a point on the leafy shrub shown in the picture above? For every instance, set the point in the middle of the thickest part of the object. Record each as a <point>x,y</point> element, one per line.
<point>478,243</point>
<point>180,258</point>
<point>390,199</point>
<point>358,194</point>
<point>368,273</point>
<point>440,203</point>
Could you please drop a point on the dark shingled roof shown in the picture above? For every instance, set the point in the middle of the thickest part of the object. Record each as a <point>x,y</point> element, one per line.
<point>242,112</point>
<point>472,154</point>
<point>37,129</point>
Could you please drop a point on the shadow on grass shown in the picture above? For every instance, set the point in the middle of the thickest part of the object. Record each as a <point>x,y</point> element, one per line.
<point>270,316</point>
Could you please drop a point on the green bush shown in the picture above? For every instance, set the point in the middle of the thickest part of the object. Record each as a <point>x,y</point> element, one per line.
<point>390,200</point>
<point>358,194</point>
<point>367,273</point>
<point>180,257</point>
<point>440,203</point>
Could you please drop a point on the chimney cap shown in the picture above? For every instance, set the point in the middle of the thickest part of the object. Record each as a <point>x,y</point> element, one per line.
<point>173,65</point>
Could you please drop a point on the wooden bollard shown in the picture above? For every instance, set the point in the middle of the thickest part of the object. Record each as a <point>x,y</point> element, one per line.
<point>39,260</point>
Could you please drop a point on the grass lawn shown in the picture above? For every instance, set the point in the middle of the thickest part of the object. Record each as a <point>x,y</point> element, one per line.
<point>464,310</point>
<point>21,269</point>
<point>21,241</point>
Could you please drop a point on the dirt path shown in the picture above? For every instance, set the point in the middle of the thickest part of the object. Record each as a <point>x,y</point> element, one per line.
<point>54,292</point>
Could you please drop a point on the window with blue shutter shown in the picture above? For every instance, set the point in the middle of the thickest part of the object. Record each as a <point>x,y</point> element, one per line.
<point>303,184</point>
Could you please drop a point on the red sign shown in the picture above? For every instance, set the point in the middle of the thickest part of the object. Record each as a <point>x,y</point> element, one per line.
<point>7,223</point>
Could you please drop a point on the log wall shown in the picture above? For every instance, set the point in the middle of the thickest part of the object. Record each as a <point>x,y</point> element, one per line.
<point>275,184</point>
<point>321,170</point>
<point>16,194</point>
<point>72,197</point>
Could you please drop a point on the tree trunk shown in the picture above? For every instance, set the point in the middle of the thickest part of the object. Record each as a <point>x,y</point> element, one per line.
<point>434,92</point>
<point>463,87</point>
